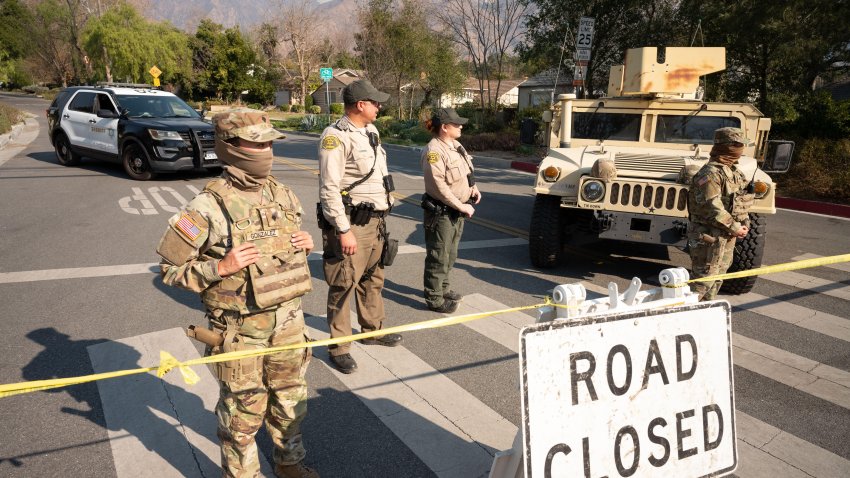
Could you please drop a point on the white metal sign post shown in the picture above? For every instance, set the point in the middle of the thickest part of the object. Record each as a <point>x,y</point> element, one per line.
<point>326,74</point>
<point>641,393</point>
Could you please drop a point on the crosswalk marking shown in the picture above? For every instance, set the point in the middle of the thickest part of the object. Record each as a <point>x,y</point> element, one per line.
<point>504,329</point>
<point>814,284</point>
<point>448,428</point>
<point>842,266</point>
<point>821,322</point>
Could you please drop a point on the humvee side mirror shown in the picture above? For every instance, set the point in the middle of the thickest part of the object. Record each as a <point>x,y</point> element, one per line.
<point>778,156</point>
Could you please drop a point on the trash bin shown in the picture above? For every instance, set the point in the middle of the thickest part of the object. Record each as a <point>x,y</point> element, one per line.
<point>527,130</point>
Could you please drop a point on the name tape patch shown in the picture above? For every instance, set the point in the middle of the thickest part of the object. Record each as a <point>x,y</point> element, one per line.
<point>263,234</point>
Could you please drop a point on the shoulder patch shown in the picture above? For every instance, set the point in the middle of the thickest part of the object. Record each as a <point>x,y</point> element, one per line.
<point>433,157</point>
<point>188,227</point>
<point>702,180</point>
<point>330,142</point>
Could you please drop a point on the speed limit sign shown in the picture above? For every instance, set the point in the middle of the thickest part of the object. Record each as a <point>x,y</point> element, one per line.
<point>584,36</point>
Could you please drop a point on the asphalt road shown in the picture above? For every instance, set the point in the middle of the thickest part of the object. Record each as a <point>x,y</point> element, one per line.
<point>75,242</point>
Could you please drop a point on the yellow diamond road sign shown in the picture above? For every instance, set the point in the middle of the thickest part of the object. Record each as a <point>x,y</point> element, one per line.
<point>155,72</point>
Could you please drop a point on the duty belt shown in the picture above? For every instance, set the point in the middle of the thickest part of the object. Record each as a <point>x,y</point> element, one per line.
<point>349,209</point>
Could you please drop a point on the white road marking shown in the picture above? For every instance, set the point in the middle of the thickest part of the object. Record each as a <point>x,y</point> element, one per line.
<point>842,266</point>
<point>815,284</point>
<point>128,269</point>
<point>821,322</point>
<point>448,428</point>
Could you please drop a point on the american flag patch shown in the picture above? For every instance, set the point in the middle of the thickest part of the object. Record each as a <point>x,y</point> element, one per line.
<point>188,227</point>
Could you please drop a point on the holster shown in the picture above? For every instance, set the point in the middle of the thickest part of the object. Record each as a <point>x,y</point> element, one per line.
<point>209,337</point>
<point>323,223</point>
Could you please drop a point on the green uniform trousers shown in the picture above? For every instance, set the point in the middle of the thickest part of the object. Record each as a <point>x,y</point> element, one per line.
<point>270,389</point>
<point>349,276</point>
<point>442,235</point>
<point>710,255</point>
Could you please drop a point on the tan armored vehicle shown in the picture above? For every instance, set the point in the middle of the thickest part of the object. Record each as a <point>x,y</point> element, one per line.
<point>618,167</point>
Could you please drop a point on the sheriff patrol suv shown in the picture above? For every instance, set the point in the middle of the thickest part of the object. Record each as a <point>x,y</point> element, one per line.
<point>148,131</point>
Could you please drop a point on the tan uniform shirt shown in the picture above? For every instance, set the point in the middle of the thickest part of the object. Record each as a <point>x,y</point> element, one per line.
<point>446,170</point>
<point>345,156</point>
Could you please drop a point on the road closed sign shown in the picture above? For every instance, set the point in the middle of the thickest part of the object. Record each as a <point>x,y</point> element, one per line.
<point>631,394</point>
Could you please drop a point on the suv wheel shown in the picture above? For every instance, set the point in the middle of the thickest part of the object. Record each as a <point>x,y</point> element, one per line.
<point>136,163</point>
<point>64,155</point>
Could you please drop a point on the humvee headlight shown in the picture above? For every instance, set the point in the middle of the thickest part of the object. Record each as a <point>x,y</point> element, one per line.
<point>551,174</point>
<point>760,188</point>
<point>593,190</point>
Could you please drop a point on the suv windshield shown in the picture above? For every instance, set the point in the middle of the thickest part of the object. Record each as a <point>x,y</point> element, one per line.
<point>150,106</point>
<point>614,126</point>
<point>691,129</point>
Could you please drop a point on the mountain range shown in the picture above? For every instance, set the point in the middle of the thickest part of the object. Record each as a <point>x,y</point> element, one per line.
<point>186,14</point>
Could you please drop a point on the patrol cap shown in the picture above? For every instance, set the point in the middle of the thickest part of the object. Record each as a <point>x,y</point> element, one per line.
<point>731,135</point>
<point>449,116</point>
<point>362,90</point>
<point>245,123</point>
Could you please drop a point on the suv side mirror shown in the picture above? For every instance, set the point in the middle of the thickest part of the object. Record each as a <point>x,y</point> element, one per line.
<point>778,156</point>
<point>106,114</point>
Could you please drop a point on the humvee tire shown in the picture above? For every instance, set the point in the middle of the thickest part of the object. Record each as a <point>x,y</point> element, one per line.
<point>546,231</point>
<point>748,255</point>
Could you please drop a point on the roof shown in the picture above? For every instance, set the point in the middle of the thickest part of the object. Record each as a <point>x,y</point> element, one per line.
<point>547,78</point>
<point>123,90</point>
<point>505,85</point>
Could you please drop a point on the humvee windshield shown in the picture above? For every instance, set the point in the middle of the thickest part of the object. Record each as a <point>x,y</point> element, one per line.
<point>604,126</point>
<point>690,129</point>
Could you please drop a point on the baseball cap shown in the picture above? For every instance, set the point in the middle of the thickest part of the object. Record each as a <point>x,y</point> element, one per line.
<point>362,90</point>
<point>449,116</point>
<point>245,123</point>
<point>731,135</point>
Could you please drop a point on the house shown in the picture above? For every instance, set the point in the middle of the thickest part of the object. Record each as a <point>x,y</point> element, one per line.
<point>508,93</point>
<point>538,90</point>
<point>333,89</point>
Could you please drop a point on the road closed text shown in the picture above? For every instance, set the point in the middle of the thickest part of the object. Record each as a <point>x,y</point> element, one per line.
<point>635,397</point>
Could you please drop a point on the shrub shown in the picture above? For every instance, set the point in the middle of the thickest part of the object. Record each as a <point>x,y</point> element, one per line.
<point>313,122</point>
<point>255,106</point>
<point>337,108</point>
<point>8,117</point>
<point>285,108</point>
<point>308,102</point>
<point>315,109</point>
<point>820,171</point>
<point>297,108</point>
<point>383,124</point>
<point>490,141</point>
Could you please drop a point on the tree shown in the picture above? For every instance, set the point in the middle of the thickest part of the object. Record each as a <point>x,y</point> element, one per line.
<point>487,30</point>
<point>131,45</point>
<point>15,18</point>
<point>221,60</point>
<point>619,25</point>
<point>299,22</point>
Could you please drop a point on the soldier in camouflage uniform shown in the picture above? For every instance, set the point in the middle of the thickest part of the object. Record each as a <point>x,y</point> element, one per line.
<point>718,205</point>
<point>240,245</point>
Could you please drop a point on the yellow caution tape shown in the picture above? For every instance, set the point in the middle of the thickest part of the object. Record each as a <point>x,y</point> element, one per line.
<point>168,362</point>
<point>788,266</point>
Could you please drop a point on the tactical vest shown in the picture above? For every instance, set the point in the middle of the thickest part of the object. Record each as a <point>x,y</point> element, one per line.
<point>281,272</point>
<point>733,194</point>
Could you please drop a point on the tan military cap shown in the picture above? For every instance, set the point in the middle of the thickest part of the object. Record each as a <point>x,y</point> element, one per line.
<point>731,135</point>
<point>245,123</point>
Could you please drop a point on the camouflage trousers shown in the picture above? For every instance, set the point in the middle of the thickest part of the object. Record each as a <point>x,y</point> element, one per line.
<point>270,388</point>
<point>710,255</point>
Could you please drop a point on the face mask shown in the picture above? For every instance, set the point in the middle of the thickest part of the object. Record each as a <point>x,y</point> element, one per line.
<point>727,154</point>
<point>246,169</point>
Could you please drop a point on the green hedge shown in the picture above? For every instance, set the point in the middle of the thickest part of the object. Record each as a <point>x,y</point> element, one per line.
<point>820,171</point>
<point>337,108</point>
<point>315,109</point>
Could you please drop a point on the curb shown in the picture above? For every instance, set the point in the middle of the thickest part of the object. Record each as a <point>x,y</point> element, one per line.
<point>828,209</point>
<point>7,138</point>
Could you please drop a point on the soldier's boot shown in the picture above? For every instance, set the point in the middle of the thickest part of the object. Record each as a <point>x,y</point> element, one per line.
<point>298,470</point>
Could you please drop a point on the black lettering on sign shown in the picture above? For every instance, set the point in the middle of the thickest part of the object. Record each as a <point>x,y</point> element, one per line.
<point>654,364</point>
<point>682,376</point>
<point>681,434</point>
<point>658,440</point>
<point>585,453</point>
<point>585,377</point>
<point>618,459</point>
<point>707,443</point>
<point>559,448</point>
<point>622,350</point>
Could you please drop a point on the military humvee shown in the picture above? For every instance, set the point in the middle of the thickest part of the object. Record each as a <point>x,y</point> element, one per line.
<point>618,167</point>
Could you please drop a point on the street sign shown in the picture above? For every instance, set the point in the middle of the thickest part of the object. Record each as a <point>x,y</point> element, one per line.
<point>584,35</point>
<point>155,72</point>
<point>640,393</point>
<point>326,74</point>
<point>583,55</point>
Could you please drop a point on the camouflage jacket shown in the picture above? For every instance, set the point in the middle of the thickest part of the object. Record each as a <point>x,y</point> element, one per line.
<point>199,236</point>
<point>718,201</point>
